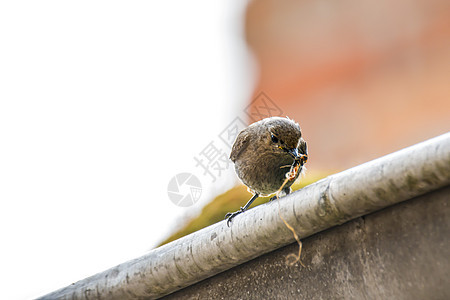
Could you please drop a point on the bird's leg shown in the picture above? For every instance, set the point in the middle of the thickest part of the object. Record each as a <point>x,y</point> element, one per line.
<point>286,191</point>
<point>230,216</point>
<point>275,197</point>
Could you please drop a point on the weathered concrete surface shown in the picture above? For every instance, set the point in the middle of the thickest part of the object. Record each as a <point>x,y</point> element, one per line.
<point>401,252</point>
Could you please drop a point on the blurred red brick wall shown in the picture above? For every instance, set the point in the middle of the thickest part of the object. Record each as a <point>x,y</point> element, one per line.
<point>362,78</point>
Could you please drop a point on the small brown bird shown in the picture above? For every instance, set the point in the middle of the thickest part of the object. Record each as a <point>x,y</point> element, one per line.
<point>264,153</point>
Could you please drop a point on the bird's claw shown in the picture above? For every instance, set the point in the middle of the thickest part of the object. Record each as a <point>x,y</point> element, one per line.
<point>230,216</point>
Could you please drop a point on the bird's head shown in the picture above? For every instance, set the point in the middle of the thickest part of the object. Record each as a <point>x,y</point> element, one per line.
<point>284,136</point>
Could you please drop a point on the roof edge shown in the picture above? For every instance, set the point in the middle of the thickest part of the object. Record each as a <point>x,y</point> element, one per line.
<point>385,181</point>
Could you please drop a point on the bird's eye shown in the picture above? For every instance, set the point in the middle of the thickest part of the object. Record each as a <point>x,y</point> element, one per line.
<point>274,138</point>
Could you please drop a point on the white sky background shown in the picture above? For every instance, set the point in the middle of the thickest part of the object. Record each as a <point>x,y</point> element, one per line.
<point>101,104</point>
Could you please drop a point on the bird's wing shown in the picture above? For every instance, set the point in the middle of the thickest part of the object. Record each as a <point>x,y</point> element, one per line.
<point>242,142</point>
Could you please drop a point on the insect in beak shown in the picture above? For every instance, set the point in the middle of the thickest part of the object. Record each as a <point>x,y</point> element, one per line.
<point>303,158</point>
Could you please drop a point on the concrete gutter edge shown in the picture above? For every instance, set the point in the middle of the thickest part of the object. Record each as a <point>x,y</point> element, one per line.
<point>396,177</point>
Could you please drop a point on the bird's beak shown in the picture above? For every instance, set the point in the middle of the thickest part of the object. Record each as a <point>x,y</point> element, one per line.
<point>297,156</point>
<point>293,152</point>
